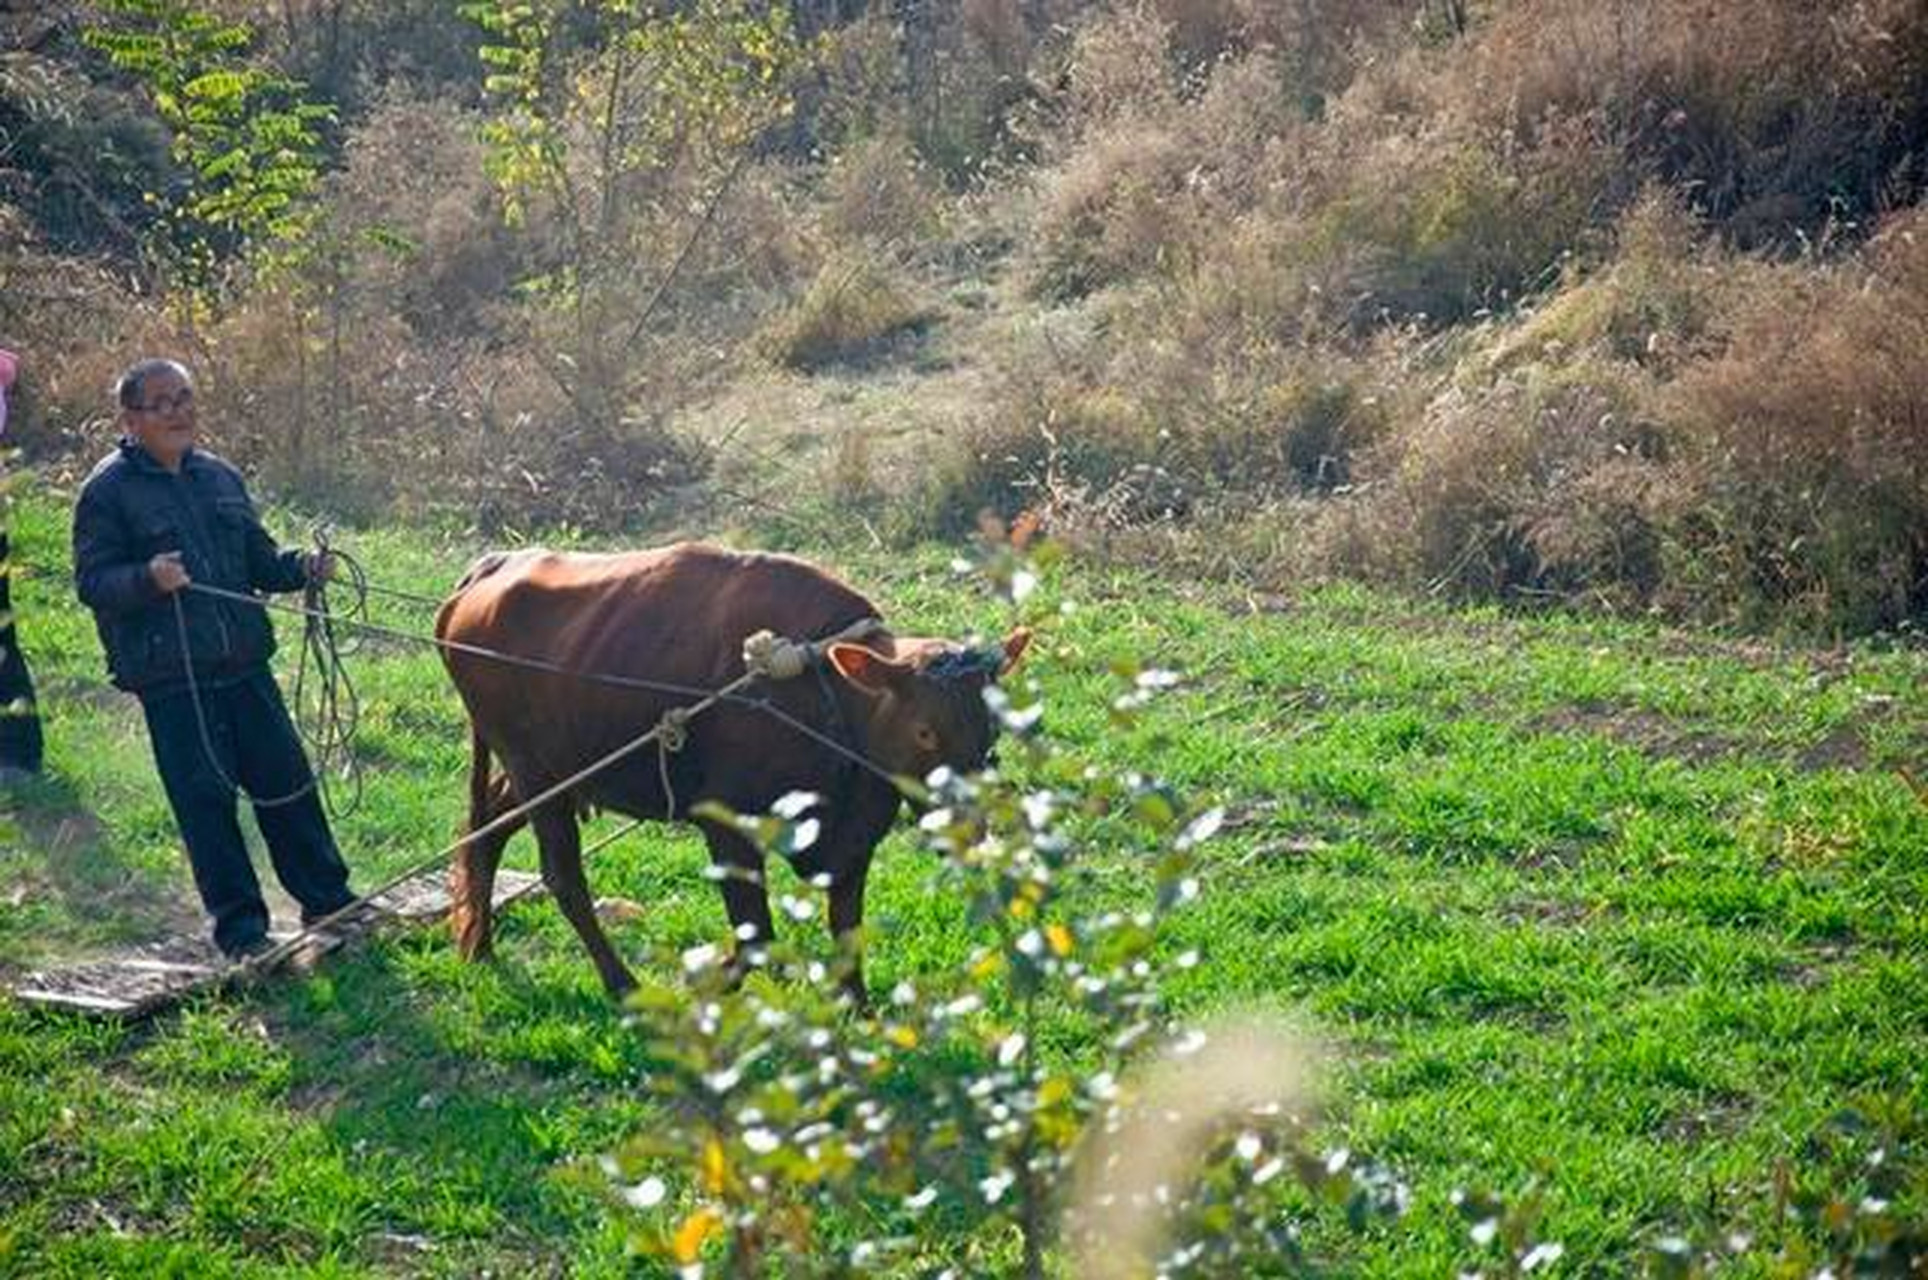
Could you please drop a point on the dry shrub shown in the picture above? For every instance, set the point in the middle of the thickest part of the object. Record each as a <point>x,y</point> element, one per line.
<point>1806,443</point>
<point>1651,304</point>
<point>1118,64</point>
<point>1319,43</point>
<point>1146,189</point>
<point>1537,483</point>
<point>75,330</point>
<point>1438,227</point>
<point>856,303</point>
<point>1112,211</point>
<point>1055,438</point>
<point>415,208</point>
<point>1779,116</point>
<point>879,193</point>
<point>399,371</point>
<point>345,381</point>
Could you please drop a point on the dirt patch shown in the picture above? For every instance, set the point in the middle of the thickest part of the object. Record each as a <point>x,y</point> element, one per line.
<point>1645,731</point>
<point>1712,1119</point>
<point>1552,913</point>
<point>1818,965</point>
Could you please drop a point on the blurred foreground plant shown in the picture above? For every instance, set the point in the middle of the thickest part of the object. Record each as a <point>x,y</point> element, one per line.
<point>790,1127</point>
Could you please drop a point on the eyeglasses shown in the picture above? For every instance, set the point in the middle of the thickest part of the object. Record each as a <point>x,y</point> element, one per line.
<point>169,404</point>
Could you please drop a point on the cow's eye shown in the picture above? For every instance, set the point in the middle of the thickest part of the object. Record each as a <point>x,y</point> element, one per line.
<point>926,737</point>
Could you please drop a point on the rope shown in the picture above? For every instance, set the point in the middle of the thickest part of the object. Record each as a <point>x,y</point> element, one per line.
<point>325,719</point>
<point>207,740</point>
<point>855,631</point>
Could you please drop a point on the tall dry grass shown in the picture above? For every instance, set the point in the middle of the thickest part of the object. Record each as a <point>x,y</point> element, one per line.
<point>1805,445</point>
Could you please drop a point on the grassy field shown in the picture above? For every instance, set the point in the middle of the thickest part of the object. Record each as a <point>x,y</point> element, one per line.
<point>1628,911</point>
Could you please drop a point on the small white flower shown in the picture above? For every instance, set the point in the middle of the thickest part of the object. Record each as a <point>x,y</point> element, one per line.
<point>646,1194</point>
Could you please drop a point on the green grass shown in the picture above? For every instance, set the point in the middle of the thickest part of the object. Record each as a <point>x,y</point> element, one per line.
<point>1632,911</point>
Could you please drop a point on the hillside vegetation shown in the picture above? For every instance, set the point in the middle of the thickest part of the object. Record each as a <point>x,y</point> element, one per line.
<point>1615,304</point>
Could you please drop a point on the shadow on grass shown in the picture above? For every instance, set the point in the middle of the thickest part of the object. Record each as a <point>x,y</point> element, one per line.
<point>66,883</point>
<point>475,1096</point>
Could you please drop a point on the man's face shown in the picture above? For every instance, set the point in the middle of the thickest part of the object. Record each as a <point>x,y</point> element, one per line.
<point>163,422</point>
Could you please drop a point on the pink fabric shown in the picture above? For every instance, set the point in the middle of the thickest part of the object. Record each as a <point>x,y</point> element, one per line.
<point>9,370</point>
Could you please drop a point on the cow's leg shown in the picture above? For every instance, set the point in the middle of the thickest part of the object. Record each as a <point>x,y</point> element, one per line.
<point>745,896</point>
<point>562,875</point>
<point>472,874</point>
<point>846,920</point>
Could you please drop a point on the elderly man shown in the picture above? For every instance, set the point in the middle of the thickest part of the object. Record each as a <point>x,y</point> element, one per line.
<point>155,518</point>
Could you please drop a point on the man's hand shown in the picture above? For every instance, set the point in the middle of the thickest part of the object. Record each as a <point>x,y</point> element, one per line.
<point>169,574</point>
<point>321,566</point>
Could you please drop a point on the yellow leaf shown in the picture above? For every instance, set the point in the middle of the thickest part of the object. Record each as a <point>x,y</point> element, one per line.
<point>987,965</point>
<point>696,1229</point>
<point>901,1036</point>
<point>716,1167</point>
<point>1060,939</point>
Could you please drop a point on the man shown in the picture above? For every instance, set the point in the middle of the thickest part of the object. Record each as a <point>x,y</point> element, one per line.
<point>156,518</point>
<point>20,745</point>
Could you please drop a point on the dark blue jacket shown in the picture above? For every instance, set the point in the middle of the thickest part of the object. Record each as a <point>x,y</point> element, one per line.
<point>132,509</point>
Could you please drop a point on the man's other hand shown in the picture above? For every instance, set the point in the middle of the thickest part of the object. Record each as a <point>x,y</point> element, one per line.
<point>321,566</point>
<point>169,574</point>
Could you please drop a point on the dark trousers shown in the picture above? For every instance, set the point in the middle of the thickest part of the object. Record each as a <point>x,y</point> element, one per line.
<point>19,720</point>
<point>253,740</point>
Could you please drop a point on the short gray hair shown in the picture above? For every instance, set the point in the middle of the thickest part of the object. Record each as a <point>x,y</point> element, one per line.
<point>131,390</point>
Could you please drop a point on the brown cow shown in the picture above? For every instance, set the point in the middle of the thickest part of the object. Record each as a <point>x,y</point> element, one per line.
<point>678,616</point>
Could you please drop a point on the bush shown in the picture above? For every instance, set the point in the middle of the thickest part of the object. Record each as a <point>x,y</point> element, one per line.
<point>1148,191</point>
<point>1114,211</point>
<point>1778,117</point>
<point>855,304</point>
<point>1440,227</point>
<point>1804,441</point>
<point>878,194</point>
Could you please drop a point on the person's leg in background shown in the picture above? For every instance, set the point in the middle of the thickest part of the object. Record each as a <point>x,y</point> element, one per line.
<point>20,740</point>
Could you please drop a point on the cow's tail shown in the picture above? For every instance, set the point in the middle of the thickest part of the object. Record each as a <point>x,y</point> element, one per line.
<point>472,875</point>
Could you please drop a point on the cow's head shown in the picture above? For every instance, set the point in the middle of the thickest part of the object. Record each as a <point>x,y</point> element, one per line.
<point>923,703</point>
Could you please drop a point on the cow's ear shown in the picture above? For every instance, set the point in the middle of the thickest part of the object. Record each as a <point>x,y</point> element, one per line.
<point>866,668</point>
<point>1014,646</point>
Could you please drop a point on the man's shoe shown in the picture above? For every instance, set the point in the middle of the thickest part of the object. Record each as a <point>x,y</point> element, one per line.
<point>345,910</point>
<point>242,952</point>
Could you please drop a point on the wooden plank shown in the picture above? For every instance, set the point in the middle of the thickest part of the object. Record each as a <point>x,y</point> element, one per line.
<point>146,979</point>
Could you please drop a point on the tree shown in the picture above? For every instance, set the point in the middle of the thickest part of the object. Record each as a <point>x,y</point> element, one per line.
<point>248,143</point>
<point>618,128</point>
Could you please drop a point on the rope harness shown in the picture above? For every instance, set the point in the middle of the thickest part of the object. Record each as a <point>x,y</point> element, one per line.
<point>766,656</point>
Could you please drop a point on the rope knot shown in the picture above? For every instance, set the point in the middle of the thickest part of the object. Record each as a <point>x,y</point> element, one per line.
<point>672,731</point>
<point>768,654</point>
